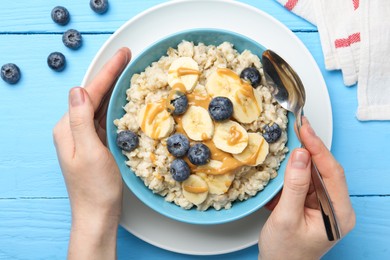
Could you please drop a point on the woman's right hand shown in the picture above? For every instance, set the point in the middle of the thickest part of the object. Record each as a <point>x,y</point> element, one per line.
<point>295,229</point>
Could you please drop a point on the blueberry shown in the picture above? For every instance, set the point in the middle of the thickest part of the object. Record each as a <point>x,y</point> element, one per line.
<point>180,170</point>
<point>99,6</point>
<point>220,108</point>
<point>178,145</point>
<point>199,154</point>
<point>72,39</point>
<point>252,75</point>
<point>127,140</point>
<point>272,132</point>
<point>10,73</point>
<point>180,104</point>
<point>60,15</point>
<point>56,61</point>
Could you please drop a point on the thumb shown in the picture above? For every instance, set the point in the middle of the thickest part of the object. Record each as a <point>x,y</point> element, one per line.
<point>81,120</point>
<point>296,184</point>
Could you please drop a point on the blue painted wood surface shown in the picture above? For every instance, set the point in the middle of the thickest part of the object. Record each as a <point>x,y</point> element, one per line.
<point>34,208</point>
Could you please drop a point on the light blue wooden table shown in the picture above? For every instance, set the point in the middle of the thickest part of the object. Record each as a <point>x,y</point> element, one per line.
<point>34,207</point>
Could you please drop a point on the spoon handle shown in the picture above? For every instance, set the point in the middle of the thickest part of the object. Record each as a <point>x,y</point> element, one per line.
<point>331,226</point>
<point>328,214</point>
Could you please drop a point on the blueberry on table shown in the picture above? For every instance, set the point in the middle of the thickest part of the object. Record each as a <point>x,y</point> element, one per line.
<point>72,39</point>
<point>220,108</point>
<point>127,140</point>
<point>252,75</point>
<point>99,6</point>
<point>10,73</point>
<point>180,170</point>
<point>199,154</point>
<point>60,15</point>
<point>178,145</point>
<point>180,104</point>
<point>272,132</point>
<point>56,61</point>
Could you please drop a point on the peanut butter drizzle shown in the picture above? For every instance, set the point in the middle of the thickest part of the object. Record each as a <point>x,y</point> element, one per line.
<point>248,92</point>
<point>229,163</point>
<point>235,136</point>
<point>147,109</point>
<point>245,88</point>
<point>178,88</point>
<point>228,73</point>
<point>185,71</point>
<point>195,189</point>
<point>152,116</point>
<point>252,160</point>
<point>204,137</point>
<point>198,100</point>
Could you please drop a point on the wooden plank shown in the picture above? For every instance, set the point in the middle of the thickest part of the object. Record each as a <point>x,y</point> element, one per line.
<point>34,16</point>
<point>29,227</point>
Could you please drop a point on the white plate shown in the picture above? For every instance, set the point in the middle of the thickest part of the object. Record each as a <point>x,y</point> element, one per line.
<point>174,16</point>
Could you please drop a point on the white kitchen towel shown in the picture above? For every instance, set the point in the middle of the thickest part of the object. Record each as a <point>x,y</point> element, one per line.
<point>355,37</point>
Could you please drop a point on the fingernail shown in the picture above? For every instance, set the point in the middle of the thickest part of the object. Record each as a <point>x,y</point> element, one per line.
<point>310,130</point>
<point>128,55</point>
<point>300,159</point>
<point>123,49</point>
<point>76,97</point>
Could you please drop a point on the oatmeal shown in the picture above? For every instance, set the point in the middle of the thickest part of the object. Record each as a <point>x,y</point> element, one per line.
<point>209,133</point>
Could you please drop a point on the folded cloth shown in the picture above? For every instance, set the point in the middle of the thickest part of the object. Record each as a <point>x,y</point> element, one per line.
<point>374,71</point>
<point>355,37</point>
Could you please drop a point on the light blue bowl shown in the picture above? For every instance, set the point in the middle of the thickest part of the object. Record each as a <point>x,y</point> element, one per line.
<point>136,185</point>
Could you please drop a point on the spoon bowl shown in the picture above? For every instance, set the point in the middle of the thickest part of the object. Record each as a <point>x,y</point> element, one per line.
<point>287,89</point>
<point>285,85</point>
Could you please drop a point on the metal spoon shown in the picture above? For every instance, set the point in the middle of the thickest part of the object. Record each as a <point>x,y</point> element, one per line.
<point>287,88</point>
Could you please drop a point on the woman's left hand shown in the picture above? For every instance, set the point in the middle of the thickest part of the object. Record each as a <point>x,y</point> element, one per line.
<point>91,175</point>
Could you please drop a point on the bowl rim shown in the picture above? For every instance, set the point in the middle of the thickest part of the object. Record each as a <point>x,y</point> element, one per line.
<point>164,210</point>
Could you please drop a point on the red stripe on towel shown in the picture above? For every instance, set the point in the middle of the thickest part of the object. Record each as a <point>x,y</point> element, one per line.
<point>291,4</point>
<point>346,42</point>
<point>355,4</point>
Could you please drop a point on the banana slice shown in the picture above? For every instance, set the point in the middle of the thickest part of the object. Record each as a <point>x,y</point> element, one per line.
<point>246,101</point>
<point>184,70</point>
<point>195,189</point>
<point>155,121</point>
<point>230,137</point>
<point>222,84</point>
<point>256,151</point>
<point>219,184</point>
<point>198,124</point>
<point>246,104</point>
